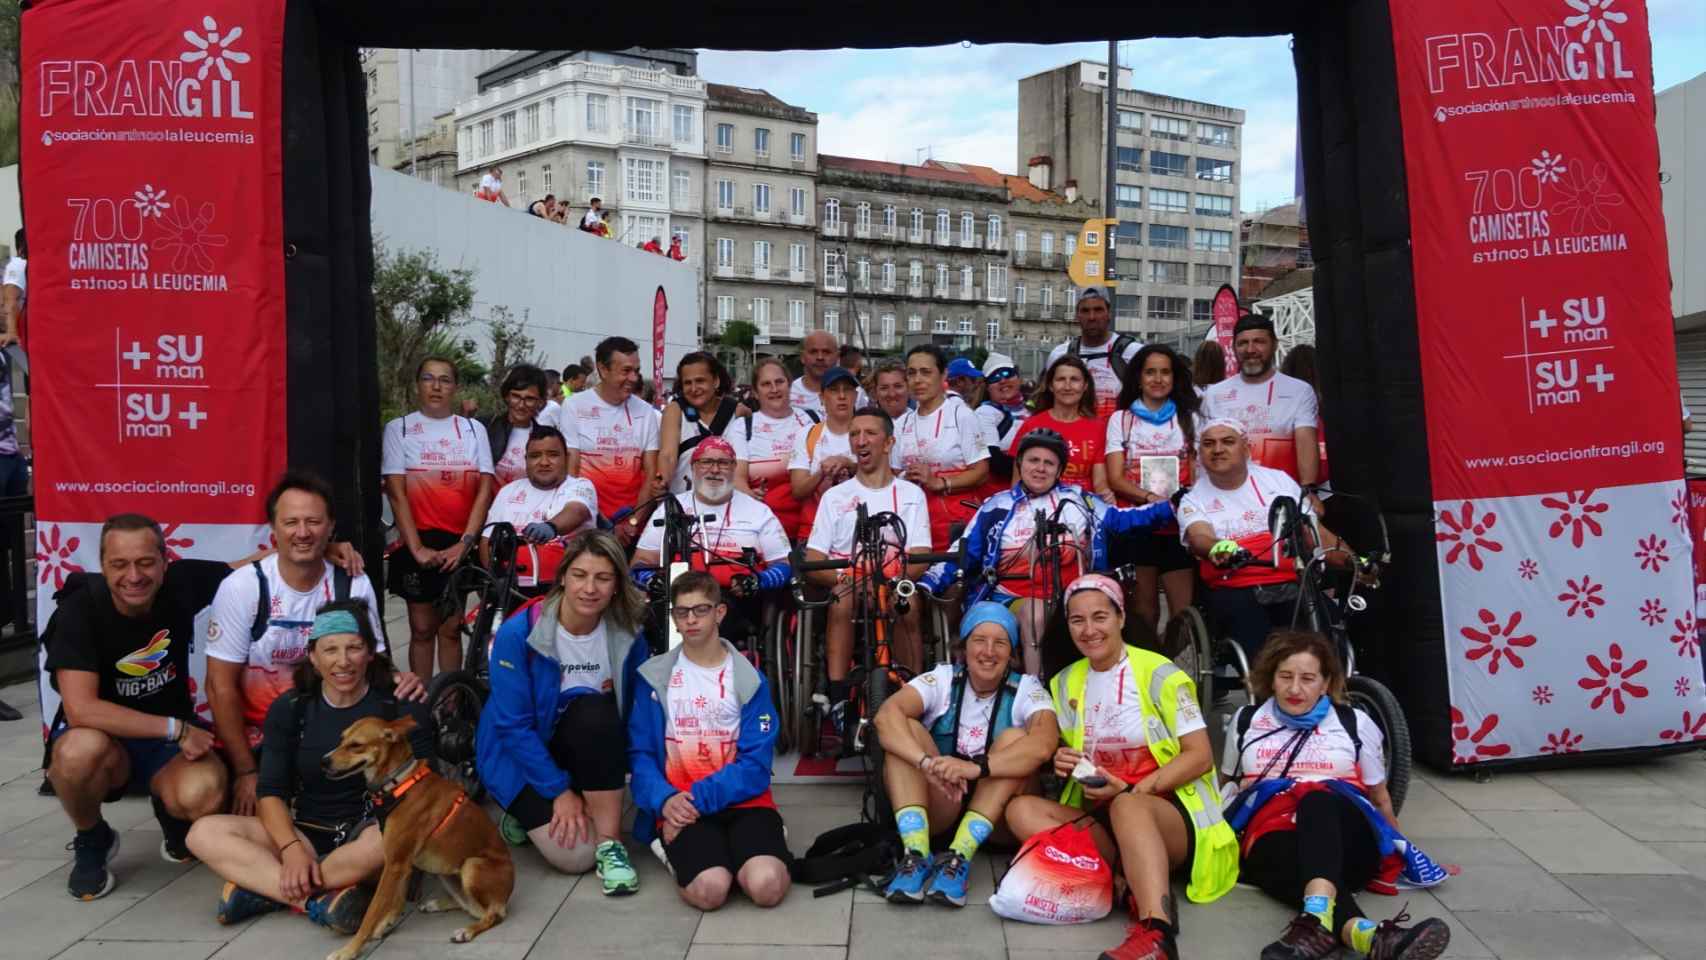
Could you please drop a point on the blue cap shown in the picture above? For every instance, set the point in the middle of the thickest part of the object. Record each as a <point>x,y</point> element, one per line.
<point>988,611</point>
<point>835,375</point>
<point>961,367</point>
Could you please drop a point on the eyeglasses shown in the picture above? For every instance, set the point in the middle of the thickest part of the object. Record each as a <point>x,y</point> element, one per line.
<point>710,464</point>
<point>428,379</point>
<point>698,612</point>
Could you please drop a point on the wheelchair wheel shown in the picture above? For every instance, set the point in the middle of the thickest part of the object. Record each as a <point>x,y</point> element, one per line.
<point>1187,643</point>
<point>808,725</point>
<point>454,701</point>
<point>940,649</point>
<point>779,670</point>
<point>879,686</point>
<point>1371,697</point>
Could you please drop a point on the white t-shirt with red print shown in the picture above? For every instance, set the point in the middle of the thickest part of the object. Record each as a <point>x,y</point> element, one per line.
<point>936,689</point>
<point>612,440</point>
<point>440,462</point>
<point>829,444</point>
<point>838,515</point>
<point>513,464</point>
<point>802,397</point>
<point>1328,754</point>
<point>740,523</point>
<point>1239,513</point>
<point>1270,411</point>
<point>1114,735</point>
<point>771,448</point>
<point>702,733</point>
<point>949,439</point>
<point>1138,438</point>
<point>1016,553</point>
<point>520,503</point>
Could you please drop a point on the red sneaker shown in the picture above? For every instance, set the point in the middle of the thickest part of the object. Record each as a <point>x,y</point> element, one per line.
<point>1149,939</point>
<point>1424,941</point>
<point>1304,939</point>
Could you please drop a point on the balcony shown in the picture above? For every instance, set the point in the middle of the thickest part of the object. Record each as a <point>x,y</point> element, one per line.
<point>765,215</point>
<point>918,236</point>
<point>969,239</point>
<point>644,136</point>
<point>888,286</point>
<point>939,291</point>
<point>862,233</point>
<point>761,271</point>
<point>997,296</point>
<point>835,283</point>
<point>1045,260</point>
<point>831,229</point>
<point>1021,310</point>
<point>684,203</point>
<point>915,289</point>
<point>998,242</point>
<point>888,232</point>
<point>1046,312</point>
<point>800,276</point>
<point>723,211</point>
<point>943,238</point>
<point>799,220</point>
<point>725,270</point>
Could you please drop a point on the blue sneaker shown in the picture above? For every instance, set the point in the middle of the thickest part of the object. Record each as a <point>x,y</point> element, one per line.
<point>910,879</point>
<point>339,910</point>
<point>237,904</point>
<point>948,882</point>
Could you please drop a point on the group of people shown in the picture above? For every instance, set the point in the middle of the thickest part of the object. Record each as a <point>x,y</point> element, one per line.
<point>1118,446</point>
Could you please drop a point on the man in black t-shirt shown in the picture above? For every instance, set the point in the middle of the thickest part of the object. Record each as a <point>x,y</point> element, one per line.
<point>119,657</point>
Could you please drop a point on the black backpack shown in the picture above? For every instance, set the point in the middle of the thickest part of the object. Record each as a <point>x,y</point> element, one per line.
<point>91,585</point>
<point>1115,353</point>
<point>847,856</point>
<point>725,414</point>
<point>809,412</point>
<point>263,604</point>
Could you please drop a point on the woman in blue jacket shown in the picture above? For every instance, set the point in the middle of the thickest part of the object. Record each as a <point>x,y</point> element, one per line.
<point>551,746</point>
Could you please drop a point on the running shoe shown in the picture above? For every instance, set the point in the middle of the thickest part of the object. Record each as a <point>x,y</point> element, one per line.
<point>910,879</point>
<point>513,832</point>
<point>949,880</point>
<point>174,835</point>
<point>1304,939</point>
<point>339,910</point>
<point>237,904</point>
<point>1424,941</point>
<point>91,851</point>
<point>1150,939</point>
<point>615,871</point>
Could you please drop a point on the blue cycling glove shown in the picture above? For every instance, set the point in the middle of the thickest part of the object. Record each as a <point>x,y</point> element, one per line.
<point>539,532</point>
<point>644,576</point>
<point>931,582</point>
<point>774,576</point>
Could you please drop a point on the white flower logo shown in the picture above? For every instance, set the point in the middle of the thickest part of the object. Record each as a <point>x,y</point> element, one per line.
<point>149,201</point>
<point>1548,167</point>
<point>1594,13</point>
<point>212,49</point>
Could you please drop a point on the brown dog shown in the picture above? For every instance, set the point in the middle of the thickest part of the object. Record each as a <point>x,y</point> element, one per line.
<point>426,822</point>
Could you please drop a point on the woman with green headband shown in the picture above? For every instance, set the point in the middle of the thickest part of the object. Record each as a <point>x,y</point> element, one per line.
<point>311,847</point>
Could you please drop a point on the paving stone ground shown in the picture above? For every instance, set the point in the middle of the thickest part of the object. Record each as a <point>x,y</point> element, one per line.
<point>1603,863</point>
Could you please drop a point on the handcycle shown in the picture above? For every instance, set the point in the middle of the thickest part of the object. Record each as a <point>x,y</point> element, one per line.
<point>1322,605</point>
<point>879,598</point>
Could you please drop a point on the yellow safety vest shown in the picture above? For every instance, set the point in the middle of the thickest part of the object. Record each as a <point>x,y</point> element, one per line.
<point>1160,684</point>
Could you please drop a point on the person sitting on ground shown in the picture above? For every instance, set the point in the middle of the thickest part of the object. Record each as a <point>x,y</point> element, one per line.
<point>523,392</point>
<point>118,653</point>
<point>1312,805</point>
<point>546,507</point>
<point>545,208</point>
<point>701,739</point>
<point>959,742</point>
<point>491,188</point>
<point>551,747</point>
<point>594,217</point>
<point>311,845</point>
<point>1133,716</point>
<point>654,245</point>
<point>675,251</point>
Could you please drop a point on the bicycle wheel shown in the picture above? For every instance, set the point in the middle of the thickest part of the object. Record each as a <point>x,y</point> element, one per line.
<point>808,725</point>
<point>454,701</point>
<point>1187,642</point>
<point>879,686</point>
<point>941,650</point>
<point>778,669</point>
<point>1371,697</point>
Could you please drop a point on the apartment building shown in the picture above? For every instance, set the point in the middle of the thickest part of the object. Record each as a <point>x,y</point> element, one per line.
<point>431,155</point>
<point>1177,173</point>
<point>907,251</point>
<point>760,250</point>
<point>407,89</point>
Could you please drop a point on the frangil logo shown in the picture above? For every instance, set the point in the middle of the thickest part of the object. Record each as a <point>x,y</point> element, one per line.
<point>1581,47</point>
<point>153,88</point>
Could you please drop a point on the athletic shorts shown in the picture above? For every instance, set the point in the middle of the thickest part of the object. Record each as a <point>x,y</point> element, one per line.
<point>727,839</point>
<point>590,744</point>
<point>325,838</point>
<point>1160,550</point>
<point>417,585</point>
<point>1104,816</point>
<point>148,756</point>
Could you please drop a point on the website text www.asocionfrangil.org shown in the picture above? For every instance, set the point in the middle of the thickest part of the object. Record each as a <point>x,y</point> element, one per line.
<point>210,488</point>
<point>1634,448</point>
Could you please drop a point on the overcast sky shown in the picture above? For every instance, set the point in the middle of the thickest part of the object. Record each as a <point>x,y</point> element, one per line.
<point>961,102</point>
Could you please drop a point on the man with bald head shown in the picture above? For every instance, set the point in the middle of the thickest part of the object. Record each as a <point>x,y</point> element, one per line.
<point>818,352</point>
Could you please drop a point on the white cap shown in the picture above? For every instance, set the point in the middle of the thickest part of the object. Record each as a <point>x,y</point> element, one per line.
<point>997,361</point>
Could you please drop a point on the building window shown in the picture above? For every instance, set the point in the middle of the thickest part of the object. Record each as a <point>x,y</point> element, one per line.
<point>1212,206</point>
<point>1214,134</point>
<point>644,118</point>
<point>725,313</point>
<point>465,143</point>
<point>917,224</point>
<point>685,237</point>
<point>942,227</point>
<point>550,116</point>
<point>1046,297</point>
<point>506,131</point>
<point>832,321</point>
<point>1167,164</point>
<point>965,280</point>
<point>939,325</point>
<point>725,138</point>
<point>597,112</point>
<point>725,252</point>
<point>1166,271</point>
<point>796,258</point>
<point>642,178</point>
<point>997,281</point>
<point>1019,242</point>
<point>941,279</point>
<point>486,147</point>
<point>914,323</point>
<point>832,213</point>
<point>887,330</point>
<point>1048,244</point>
<point>1129,159</point>
<point>863,275</point>
<point>1215,273</point>
<point>761,142</point>
<point>530,123</point>
<point>915,274</point>
<point>1019,294</point>
<point>862,218</point>
<point>1167,238</point>
<point>797,201</point>
<point>992,327</point>
<point>797,147</point>
<point>834,269</point>
<point>1071,243</point>
<point>595,178</point>
<point>1130,120</point>
<point>521,183</point>
<point>1128,234</point>
<point>888,220</point>
<point>1214,241</point>
<point>761,314</point>
<point>725,195</point>
<point>1125,196</point>
<point>1126,306</point>
<point>1167,308</point>
<point>545,181</point>
<point>1202,311</point>
<point>680,188</point>
<point>1209,168</point>
<point>761,198</point>
<point>888,275</point>
<point>994,231</point>
<point>796,318</point>
<point>1170,128</point>
<point>965,325</point>
<point>968,227</point>
<point>683,124</point>
<point>761,254</point>
<point>1169,201</point>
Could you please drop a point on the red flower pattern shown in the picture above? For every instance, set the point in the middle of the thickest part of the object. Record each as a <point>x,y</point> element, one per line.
<point>1653,612</point>
<point>173,543</point>
<point>1679,509</point>
<point>1651,553</point>
<point>1575,514</point>
<point>1683,686</point>
<point>1693,728</point>
<point>1467,747</point>
<point>1687,636</point>
<point>1528,569</point>
<point>1613,679</point>
<point>1467,535</point>
<point>1498,640</point>
<point>54,558</point>
<point>1542,695</point>
<point>1582,597</point>
<point>1562,742</point>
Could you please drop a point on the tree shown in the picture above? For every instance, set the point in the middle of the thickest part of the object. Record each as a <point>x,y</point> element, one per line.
<point>511,347</point>
<point>418,308</point>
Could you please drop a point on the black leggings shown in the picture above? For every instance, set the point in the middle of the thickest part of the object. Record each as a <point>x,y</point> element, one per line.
<point>1238,613</point>
<point>1332,842</point>
<point>590,743</point>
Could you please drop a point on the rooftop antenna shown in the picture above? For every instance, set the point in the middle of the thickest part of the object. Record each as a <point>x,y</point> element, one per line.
<point>921,154</point>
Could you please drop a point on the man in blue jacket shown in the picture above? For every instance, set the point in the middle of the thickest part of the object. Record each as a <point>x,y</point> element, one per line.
<point>700,741</point>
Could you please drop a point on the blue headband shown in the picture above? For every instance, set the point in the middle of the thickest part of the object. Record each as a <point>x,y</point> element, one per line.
<point>988,611</point>
<point>333,621</point>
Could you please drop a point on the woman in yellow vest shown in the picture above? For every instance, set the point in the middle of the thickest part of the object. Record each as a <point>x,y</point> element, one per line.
<point>1136,756</point>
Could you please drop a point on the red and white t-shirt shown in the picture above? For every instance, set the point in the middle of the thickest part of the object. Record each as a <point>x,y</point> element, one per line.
<point>829,444</point>
<point>1242,515</point>
<point>703,716</point>
<point>740,523</point>
<point>1269,410</point>
<point>612,440</point>
<point>936,688</point>
<point>1114,736</point>
<point>1137,438</point>
<point>440,462</point>
<point>1084,438</point>
<point>1101,370</point>
<point>1017,555</point>
<point>520,503</point>
<point>1328,754</point>
<point>513,464</point>
<point>802,397</point>
<point>949,439</point>
<point>838,514</point>
<point>768,453</point>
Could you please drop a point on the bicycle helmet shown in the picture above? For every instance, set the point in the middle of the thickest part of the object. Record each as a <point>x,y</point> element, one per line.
<point>1047,439</point>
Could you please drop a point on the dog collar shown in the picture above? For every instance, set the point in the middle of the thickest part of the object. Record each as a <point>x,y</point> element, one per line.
<point>393,788</point>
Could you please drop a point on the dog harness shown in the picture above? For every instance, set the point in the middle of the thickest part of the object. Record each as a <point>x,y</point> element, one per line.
<point>381,802</point>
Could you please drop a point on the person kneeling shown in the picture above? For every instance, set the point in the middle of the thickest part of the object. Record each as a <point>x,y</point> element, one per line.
<point>959,742</point>
<point>700,740</point>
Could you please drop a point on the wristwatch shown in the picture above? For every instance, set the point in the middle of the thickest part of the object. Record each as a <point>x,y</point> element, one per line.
<point>468,539</point>
<point>983,766</point>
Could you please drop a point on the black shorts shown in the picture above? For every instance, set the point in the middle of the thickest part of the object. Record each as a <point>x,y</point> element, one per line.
<point>148,756</point>
<point>590,744</point>
<point>326,837</point>
<point>727,839</point>
<point>1160,550</point>
<point>410,581</point>
<point>1104,816</point>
